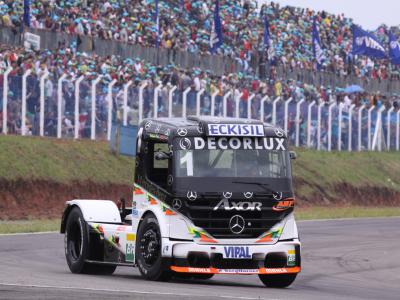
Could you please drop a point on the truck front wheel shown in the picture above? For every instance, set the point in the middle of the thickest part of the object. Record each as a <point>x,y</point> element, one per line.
<point>76,244</point>
<point>277,281</point>
<point>151,264</point>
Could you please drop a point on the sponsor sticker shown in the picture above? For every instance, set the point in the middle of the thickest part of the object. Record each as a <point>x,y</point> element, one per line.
<point>131,237</point>
<point>130,252</point>
<point>235,130</point>
<point>237,252</point>
<point>291,258</point>
<point>231,143</point>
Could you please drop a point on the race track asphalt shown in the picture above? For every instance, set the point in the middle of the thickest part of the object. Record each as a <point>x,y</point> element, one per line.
<point>342,259</point>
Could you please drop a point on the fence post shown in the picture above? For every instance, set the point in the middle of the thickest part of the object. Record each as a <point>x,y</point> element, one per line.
<point>237,102</point>
<point>23,108</point>
<point>125,113</point>
<point>249,105</point>
<point>287,113</point>
<point>350,133</point>
<point>59,104</point>
<point>170,95</point>
<point>93,100</point>
<point>309,124</point>
<point>213,103</point>
<point>360,126</point>
<point>330,126</point>
<point>225,103</point>
<point>340,120</point>
<point>5,98</point>
<point>263,100</point>
<point>41,124</point>
<point>77,95</point>
<point>155,100</point>
<point>184,101</point>
<point>319,126</point>
<point>388,126</point>
<point>198,98</point>
<point>110,108</point>
<point>298,108</point>
<point>141,88</point>
<point>369,126</point>
<point>274,110</point>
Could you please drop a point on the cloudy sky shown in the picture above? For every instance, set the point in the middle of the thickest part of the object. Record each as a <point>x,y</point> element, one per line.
<point>369,14</point>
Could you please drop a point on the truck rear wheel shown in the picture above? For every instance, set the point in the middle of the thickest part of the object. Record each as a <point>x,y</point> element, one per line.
<point>277,281</point>
<point>151,264</point>
<point>76,244</point>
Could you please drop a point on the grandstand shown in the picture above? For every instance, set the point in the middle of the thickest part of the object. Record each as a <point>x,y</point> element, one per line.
<point>72,84</point>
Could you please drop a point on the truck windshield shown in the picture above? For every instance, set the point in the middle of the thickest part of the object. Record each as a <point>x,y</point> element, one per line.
<point>232,163</point>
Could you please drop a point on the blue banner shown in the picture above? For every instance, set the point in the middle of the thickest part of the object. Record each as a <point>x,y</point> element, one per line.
<point>216,39</point>
<point>365,43</point>
<point>317,47</point>
<point>394,49</point>
<point>27,13</point>
<point>266,33</point>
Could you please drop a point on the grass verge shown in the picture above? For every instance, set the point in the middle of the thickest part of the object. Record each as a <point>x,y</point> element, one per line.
<point>313,213</point>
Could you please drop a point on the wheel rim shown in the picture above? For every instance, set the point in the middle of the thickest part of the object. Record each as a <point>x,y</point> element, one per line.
<point>150,246</point>
<point>75,240</point>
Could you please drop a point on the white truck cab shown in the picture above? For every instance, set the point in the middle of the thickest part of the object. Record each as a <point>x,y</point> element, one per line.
<point>211,196</point>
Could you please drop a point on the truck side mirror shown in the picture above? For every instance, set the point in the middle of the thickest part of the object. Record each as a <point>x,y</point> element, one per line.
<point>161,156</point>
<point>292,155</point>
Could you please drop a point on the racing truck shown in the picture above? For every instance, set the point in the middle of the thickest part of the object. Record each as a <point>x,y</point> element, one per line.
<point>211,195</point>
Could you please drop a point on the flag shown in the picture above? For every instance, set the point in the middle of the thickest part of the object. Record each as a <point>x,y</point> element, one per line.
<point>317,47</point>
<point>157,26</point>
<point>394,49</point>
<point>216,39</point>
<point>266,33</point>
<point>365,43</point>
<point>27,13</point>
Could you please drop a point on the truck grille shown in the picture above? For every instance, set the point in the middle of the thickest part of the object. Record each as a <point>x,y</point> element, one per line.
<point>216,222</point>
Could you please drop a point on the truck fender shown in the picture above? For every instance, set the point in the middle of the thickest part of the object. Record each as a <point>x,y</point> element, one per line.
<point>99,211</point>
<point>161,218</point>
<point>290,229</point>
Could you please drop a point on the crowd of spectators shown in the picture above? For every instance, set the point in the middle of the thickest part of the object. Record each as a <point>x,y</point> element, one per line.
<point>186,25</point>
<point>66,60</point>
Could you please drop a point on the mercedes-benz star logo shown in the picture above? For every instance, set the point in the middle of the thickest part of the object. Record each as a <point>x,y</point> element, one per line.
<point>248,195</point>
<point>227,195</point>
<point>236,224</point>
<point>182,131</point>
<point>191,195</point>
<point>277,196</point>
<point>279,132</point>
<point>177,204</point>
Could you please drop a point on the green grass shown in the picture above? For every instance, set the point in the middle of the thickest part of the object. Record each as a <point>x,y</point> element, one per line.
<point>313,213</point>
<point>62,161</point>
<point>358,169</point>
<point>29,226</point>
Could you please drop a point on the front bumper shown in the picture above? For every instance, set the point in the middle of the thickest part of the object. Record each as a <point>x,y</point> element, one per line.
<point>189,257</point>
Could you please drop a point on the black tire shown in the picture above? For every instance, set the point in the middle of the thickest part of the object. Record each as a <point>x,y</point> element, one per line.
<point>76,244</point>
<point>151,264</point>
<point>278,281</point>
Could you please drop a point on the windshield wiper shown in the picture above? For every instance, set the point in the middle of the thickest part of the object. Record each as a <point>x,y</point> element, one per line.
<point>262,185</point>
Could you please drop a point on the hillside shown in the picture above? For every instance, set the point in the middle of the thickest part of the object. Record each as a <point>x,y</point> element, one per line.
<point>38,175</point>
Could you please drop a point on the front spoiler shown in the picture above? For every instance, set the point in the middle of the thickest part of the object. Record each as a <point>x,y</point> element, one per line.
<point>265,271</point>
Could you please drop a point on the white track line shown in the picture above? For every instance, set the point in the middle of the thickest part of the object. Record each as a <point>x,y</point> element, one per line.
<point>124,291</point>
